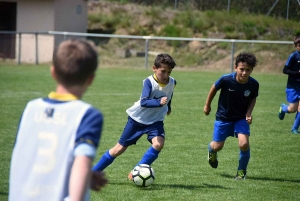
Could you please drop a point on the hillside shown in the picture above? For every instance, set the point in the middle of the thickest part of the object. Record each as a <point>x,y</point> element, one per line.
<point>133,19</point>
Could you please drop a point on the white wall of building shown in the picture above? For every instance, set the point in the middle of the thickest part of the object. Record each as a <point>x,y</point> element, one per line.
<point>43,16</point>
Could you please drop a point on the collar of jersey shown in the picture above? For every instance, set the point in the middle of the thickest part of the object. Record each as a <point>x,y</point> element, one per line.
<point>62,97</point>
<point>160,84</point>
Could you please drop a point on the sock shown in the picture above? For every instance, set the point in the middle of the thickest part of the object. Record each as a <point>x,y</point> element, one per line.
<point>244,159</point>
<point>296,122</point>
<point>285,109</point>
<point>210,150</point>
<point>150,156</point>
<point>105,161</point>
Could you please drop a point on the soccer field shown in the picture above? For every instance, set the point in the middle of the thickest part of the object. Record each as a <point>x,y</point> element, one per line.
<point>182,170</point>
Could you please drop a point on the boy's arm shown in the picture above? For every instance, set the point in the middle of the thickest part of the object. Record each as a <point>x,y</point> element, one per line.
<point>146,101</point>
<point>169,106</point>
<point>80,177</point>
<point>288,71</point>
<point>290,62</point>
<point>211,94</point>
<point>249,110</point>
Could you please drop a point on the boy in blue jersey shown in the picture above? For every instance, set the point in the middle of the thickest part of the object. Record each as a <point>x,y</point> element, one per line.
<point>58,135</point>
<point>146,115</point>
<point>233,117</point>
<point>292,69</point>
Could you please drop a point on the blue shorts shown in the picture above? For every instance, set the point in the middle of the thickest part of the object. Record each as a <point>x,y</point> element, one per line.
<point>222,129</point>
<point>292,95</point>
<point>134,130</point>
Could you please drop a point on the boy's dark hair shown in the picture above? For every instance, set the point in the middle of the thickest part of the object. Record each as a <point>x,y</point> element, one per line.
<point>296,40</point>
<point>164,59</point>
<point>74,62</point>
<point>246,57</point>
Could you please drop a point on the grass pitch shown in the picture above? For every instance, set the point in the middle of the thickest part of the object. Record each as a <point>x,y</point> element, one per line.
<point>182,170</point>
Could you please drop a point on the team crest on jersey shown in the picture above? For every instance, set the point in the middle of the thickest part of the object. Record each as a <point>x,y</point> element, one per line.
<point>247,93</point>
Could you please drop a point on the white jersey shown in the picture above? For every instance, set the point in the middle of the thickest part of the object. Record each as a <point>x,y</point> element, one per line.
<point>150,115</point>
<point>43,153</point>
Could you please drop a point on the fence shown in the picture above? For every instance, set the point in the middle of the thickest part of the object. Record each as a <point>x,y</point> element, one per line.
<point>37,47</point>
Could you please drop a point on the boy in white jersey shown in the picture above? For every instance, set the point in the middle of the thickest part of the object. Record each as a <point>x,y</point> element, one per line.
<point>146,115</point>
<point>58,135</point>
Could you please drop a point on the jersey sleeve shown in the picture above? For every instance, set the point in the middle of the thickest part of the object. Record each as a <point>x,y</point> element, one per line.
<point>146,101</point>
<point>170,102</point>
<point>89,131</point>
<point>219,83</point>
<point>255,94</point>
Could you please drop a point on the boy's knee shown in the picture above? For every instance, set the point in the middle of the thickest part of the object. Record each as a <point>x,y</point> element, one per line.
<point>216,146</point>
<point>158,143</point>
<point>158,146</point>
<point>244,146</point>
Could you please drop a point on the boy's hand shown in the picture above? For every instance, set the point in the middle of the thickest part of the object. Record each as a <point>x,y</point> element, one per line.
<point>98,180</point>
<point>169,112</point>
<point>206,109</point>
<point>163,100</point>
<point>249,119</point>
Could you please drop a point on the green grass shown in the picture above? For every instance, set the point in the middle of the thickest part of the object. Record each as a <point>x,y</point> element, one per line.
<point>182,170</point>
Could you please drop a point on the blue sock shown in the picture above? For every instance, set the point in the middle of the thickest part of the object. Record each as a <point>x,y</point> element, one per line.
<point>105,161</point>
<point>244,159</point>
<point>210,150</point>
<point>296,122</point>
<point>150,156</point>
<point>285,109</point>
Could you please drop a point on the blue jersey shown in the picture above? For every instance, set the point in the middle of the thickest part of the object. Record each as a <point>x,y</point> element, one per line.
<point>51,134</point>
<point>292,69</point>
<point>234,97</point>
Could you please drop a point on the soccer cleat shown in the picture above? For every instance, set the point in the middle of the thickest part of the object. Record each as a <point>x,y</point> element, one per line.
<point>281,113</point>
<point>241,174</point>
<point>130,176</point>
<point>213,159</point>
<point>295,132</point>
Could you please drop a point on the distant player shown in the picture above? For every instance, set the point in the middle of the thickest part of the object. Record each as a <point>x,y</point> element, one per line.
<point>234,115</point>
<point>58,135</point>
<point>146,115</point>
<point>292,69</point>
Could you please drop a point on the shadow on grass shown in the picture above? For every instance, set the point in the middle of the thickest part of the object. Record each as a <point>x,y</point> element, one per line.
<point>3,193</point>
<point>179,186</point>
<point>264,178</point>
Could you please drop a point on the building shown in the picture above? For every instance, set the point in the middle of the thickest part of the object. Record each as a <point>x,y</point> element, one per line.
<point>36,16</point>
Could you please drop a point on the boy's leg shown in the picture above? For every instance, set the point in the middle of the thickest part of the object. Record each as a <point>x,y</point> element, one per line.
<point>212,157</point>
<point>296,124</point>
<point>244,159</point>
<point>108,157</point>
<point>221,131</point>
<point>156,135</point>
<point>243,163</point>
<point>292,96</point>
<point>242,128</point>
<point>282,110</point>
<point>105,161</point>
<point>150,155</point>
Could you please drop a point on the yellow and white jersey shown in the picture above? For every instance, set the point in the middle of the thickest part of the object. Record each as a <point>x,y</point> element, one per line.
<point>50,135</point>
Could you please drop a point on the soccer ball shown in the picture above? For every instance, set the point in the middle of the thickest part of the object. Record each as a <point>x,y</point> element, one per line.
<point>143,175</point>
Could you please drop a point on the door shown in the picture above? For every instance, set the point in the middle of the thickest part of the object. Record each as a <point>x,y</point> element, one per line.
<point>8,16</point>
